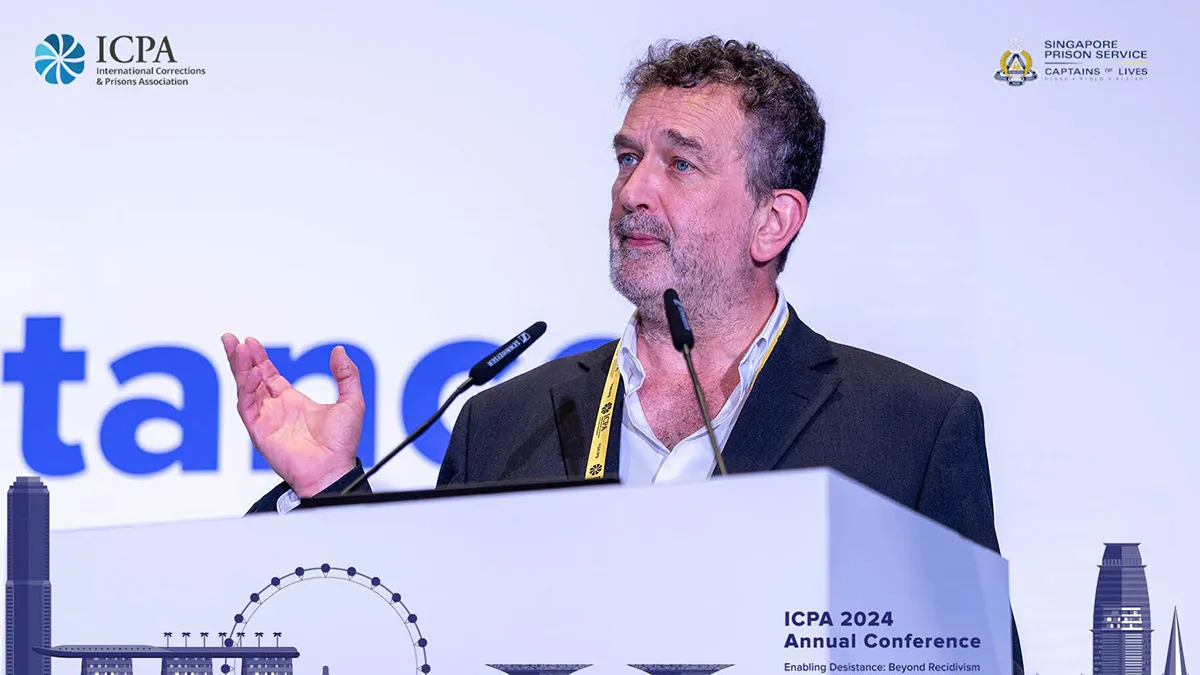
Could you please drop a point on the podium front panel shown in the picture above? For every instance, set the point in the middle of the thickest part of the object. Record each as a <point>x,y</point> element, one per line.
<point>725,576</point>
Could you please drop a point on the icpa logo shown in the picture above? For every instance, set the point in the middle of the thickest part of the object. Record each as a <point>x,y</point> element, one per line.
<point>59,58</point>
<point>1016,65</point>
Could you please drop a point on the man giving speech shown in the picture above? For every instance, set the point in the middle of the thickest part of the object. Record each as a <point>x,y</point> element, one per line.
<point>716,162</point>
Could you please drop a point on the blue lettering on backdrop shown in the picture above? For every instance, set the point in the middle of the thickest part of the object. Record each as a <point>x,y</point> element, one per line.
<point>41,369</point>
<point>43,366</point>
<point>198,417</point>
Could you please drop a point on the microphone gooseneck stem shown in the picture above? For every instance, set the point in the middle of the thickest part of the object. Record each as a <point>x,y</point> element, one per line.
<point>712,437</point>
<point>411,437</point>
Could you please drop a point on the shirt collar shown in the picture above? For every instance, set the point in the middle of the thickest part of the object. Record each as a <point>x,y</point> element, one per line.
<point>633,374</point>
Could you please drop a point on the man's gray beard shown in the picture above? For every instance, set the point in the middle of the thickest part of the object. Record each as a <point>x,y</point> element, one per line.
<point>648,301</point>
<point>706,291</point>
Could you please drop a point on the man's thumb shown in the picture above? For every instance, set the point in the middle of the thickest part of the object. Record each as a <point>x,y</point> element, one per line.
<point>346,374</point>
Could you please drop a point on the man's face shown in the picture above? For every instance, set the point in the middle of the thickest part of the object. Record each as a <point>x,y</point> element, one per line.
<point>681,213</point>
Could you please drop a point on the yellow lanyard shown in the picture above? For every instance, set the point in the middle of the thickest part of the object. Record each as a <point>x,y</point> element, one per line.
<point>599,449</point>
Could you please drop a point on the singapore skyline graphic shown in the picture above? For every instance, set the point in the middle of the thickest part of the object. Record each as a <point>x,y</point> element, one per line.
<point>28,618</point>
<point>1121,623</point>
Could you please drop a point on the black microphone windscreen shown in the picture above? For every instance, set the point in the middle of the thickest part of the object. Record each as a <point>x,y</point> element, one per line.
<point>493,363</point>
<point>681,330</point>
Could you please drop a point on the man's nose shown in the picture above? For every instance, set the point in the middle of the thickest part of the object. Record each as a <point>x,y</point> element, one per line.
<point>641,188</point>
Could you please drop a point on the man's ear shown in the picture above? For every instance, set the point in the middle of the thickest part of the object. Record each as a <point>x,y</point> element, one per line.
<point>784,216</point>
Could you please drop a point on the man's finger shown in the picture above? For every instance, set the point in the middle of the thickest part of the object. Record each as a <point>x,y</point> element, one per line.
<point>251,396</point>
<point>230,342</point>
<point>346,373</point>
<point>275,382</point>
<point>249,381</point>
<point>243,368</point>
<point>240,363</point>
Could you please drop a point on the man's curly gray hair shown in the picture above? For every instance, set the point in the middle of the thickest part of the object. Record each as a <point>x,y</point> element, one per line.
<point>786,133</point>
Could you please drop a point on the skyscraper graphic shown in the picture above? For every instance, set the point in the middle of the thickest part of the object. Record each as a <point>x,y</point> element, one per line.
<point>27,590</point>
<point>1121,617</point>
<point>1175,664</point>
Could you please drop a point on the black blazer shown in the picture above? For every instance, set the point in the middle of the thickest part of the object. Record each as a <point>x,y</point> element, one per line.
<point>899,431</point>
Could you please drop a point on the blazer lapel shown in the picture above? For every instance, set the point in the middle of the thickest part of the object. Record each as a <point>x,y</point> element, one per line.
<point>576,404</point>
<point>789,391</point>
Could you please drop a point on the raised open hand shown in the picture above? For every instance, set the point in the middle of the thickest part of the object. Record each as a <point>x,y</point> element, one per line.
<point>309,444</point>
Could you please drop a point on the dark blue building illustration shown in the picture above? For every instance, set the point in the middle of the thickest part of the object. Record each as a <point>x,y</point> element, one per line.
<point>538,668</point>
<point>1121,615</point>
<point>1175,664</point>
<point>680,669</point>
<point>27,589</point>
<point>118,659</point>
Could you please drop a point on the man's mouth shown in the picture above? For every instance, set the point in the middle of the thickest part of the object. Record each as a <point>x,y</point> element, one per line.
<point>641,241</point>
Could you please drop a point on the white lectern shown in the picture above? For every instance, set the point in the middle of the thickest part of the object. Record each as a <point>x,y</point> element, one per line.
<point>801,571</point>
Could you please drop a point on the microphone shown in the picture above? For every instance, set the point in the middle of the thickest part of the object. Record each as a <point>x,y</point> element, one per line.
<point>481,373</point>
<point>681,336</point>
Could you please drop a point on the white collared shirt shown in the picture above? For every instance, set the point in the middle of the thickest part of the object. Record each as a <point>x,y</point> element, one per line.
<point>644,459</point>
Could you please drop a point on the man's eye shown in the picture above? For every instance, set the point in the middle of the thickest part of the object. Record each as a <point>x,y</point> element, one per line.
<point>626,159</point>
<point>682,165</point>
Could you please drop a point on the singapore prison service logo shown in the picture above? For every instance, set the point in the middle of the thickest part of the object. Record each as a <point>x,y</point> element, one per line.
<point>1016,66</point>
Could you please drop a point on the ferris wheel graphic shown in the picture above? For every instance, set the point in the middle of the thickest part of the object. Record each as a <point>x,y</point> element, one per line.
<point>327,572</point>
